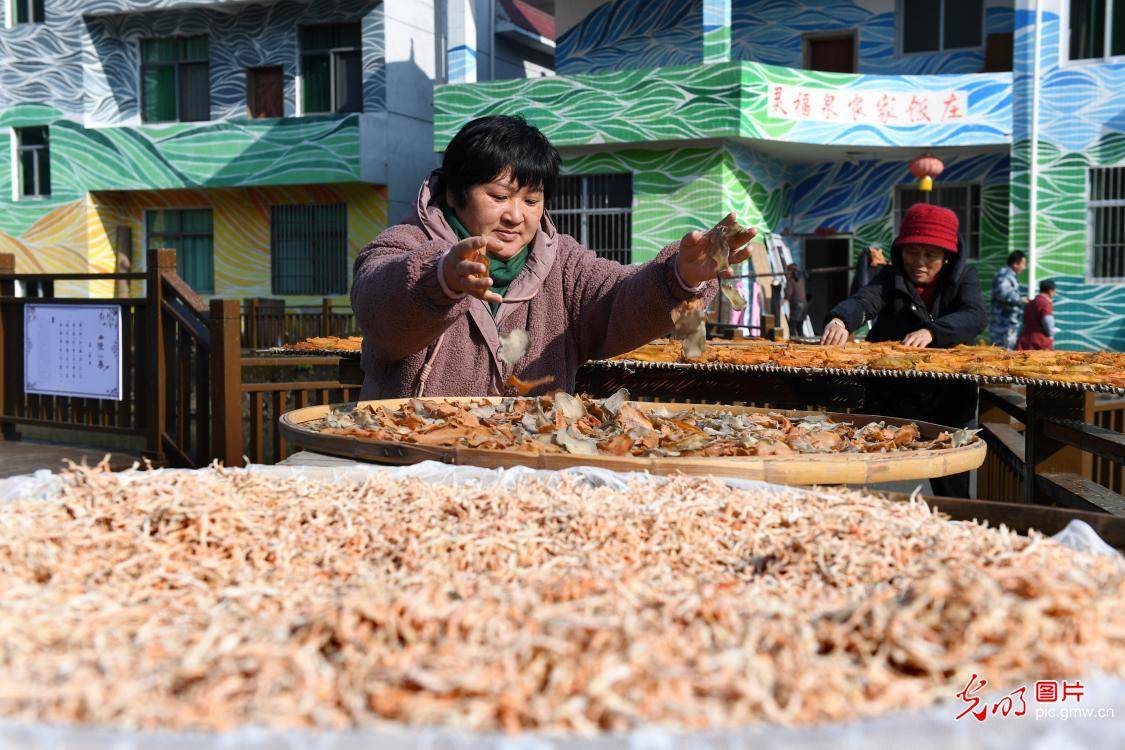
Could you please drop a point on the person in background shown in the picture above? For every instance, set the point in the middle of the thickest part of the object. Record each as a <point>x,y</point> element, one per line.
<point>1039,329</point>
<point>797,297</point>
<point>928,297</point>
<point>866,266</point>
<point>1007,303</point>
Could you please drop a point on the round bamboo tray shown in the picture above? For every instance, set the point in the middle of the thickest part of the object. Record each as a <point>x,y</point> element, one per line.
<point>802,469</point>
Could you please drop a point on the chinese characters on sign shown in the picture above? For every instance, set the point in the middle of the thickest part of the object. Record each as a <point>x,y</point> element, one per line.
<point>867,107</point>
<point>72,350</point>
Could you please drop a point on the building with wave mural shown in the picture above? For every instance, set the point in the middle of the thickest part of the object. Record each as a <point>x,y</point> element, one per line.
<point>804,117</point>
<point>265,141</point>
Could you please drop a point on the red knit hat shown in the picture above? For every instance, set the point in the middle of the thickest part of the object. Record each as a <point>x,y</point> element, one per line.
<point>927,224</point>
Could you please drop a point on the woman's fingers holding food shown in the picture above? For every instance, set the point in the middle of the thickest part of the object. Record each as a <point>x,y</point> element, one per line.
<point>474,284</point>
<point>471,268</point>
<point>469,247</point>
<point>692,244</point>
<point>739,240</point>
<point>739,255</point>
<point>472,246</point>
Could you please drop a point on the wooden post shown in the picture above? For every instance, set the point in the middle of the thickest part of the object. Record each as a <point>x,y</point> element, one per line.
<point>226,381</point>
<point>252,323</point>
<point>7,289</point>
<point>326,317</point>
<point>154,395</point>
<point>1041,453</point>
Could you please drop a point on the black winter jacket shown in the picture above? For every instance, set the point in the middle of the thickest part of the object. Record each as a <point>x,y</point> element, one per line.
<point>957,316</point>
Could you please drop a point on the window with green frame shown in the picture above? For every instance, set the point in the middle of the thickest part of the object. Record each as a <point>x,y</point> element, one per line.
<point>309,249</point>
<point>331,68</point>
<point>34,159</point>
<point>29,11</point>
<point>189,232</point>
<point>175,79</point>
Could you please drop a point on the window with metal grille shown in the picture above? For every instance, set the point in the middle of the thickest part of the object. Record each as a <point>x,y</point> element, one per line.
<point>331,68</point>
<point>1107,223</point>
<point>1097,29</point>
<point>963,200</point>
<point>936,25</point>
<point>309,249</point>
<point>597,210</point>
<point>34,159</point>
<point>29,11</point>
<point>189,232</point>
<point>175,79</point>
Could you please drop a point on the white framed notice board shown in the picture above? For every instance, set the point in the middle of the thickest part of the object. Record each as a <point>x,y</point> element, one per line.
<point>72,350</point>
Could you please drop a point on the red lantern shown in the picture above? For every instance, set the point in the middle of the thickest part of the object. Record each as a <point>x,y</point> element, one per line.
<point>926,168</point>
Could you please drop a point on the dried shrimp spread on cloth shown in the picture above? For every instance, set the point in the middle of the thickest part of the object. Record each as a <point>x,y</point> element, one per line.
<point>213,599</point>
<point>562,423</point>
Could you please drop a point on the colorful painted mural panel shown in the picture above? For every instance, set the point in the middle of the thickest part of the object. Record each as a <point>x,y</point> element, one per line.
<point>719,101</point>
<point>236,153</point>
<point>627,34</point>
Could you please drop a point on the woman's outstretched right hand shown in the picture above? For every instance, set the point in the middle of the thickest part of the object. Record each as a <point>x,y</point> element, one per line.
<point>464,268</point>
<point>835,333</point>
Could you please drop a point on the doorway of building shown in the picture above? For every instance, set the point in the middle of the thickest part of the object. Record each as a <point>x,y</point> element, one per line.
<point>833,52</point>
<point>826,263</point>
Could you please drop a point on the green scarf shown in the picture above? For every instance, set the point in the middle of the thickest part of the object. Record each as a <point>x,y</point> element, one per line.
<point>503,272</point>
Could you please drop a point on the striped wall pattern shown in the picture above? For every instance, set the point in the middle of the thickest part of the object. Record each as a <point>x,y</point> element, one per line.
<point>628,34</point>
<point>1081,125</point>
<point>716,30</point>
<point>79,235</point>
<point>87,67</point>
<point>632,34</point>
<point>78,74</point>
<point>241,222</point>
<point>312,149</point>
<point>714,101</point>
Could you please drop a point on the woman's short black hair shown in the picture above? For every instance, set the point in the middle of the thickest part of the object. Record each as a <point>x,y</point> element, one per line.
<point>488,146</point>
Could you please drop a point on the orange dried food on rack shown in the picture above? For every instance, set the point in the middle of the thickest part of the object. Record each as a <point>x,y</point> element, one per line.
<point>659,351</point>
<point>738,356</point>
<point>1094,368</point>
<point>328,343</point>
<point>893,362</point>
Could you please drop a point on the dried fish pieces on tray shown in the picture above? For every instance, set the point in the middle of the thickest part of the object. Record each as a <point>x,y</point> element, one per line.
<point>561,429</point>
<point>216,599</point>
<point>615,426</point>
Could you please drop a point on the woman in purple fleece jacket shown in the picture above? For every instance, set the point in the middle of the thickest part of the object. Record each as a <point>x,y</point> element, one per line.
<point>432,317</point>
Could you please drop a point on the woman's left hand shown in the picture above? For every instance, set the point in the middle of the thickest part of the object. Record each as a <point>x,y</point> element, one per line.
<point>919,339</point>
<point>693,263</point>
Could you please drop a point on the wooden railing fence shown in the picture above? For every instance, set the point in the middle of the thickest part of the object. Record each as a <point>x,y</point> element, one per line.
<point>1053,446</point>
<point>140,417</point>
<point>185,402</point>
<point>268,323</point>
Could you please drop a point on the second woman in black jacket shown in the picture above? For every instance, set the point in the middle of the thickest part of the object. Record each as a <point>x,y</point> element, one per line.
<point>928,296</point>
